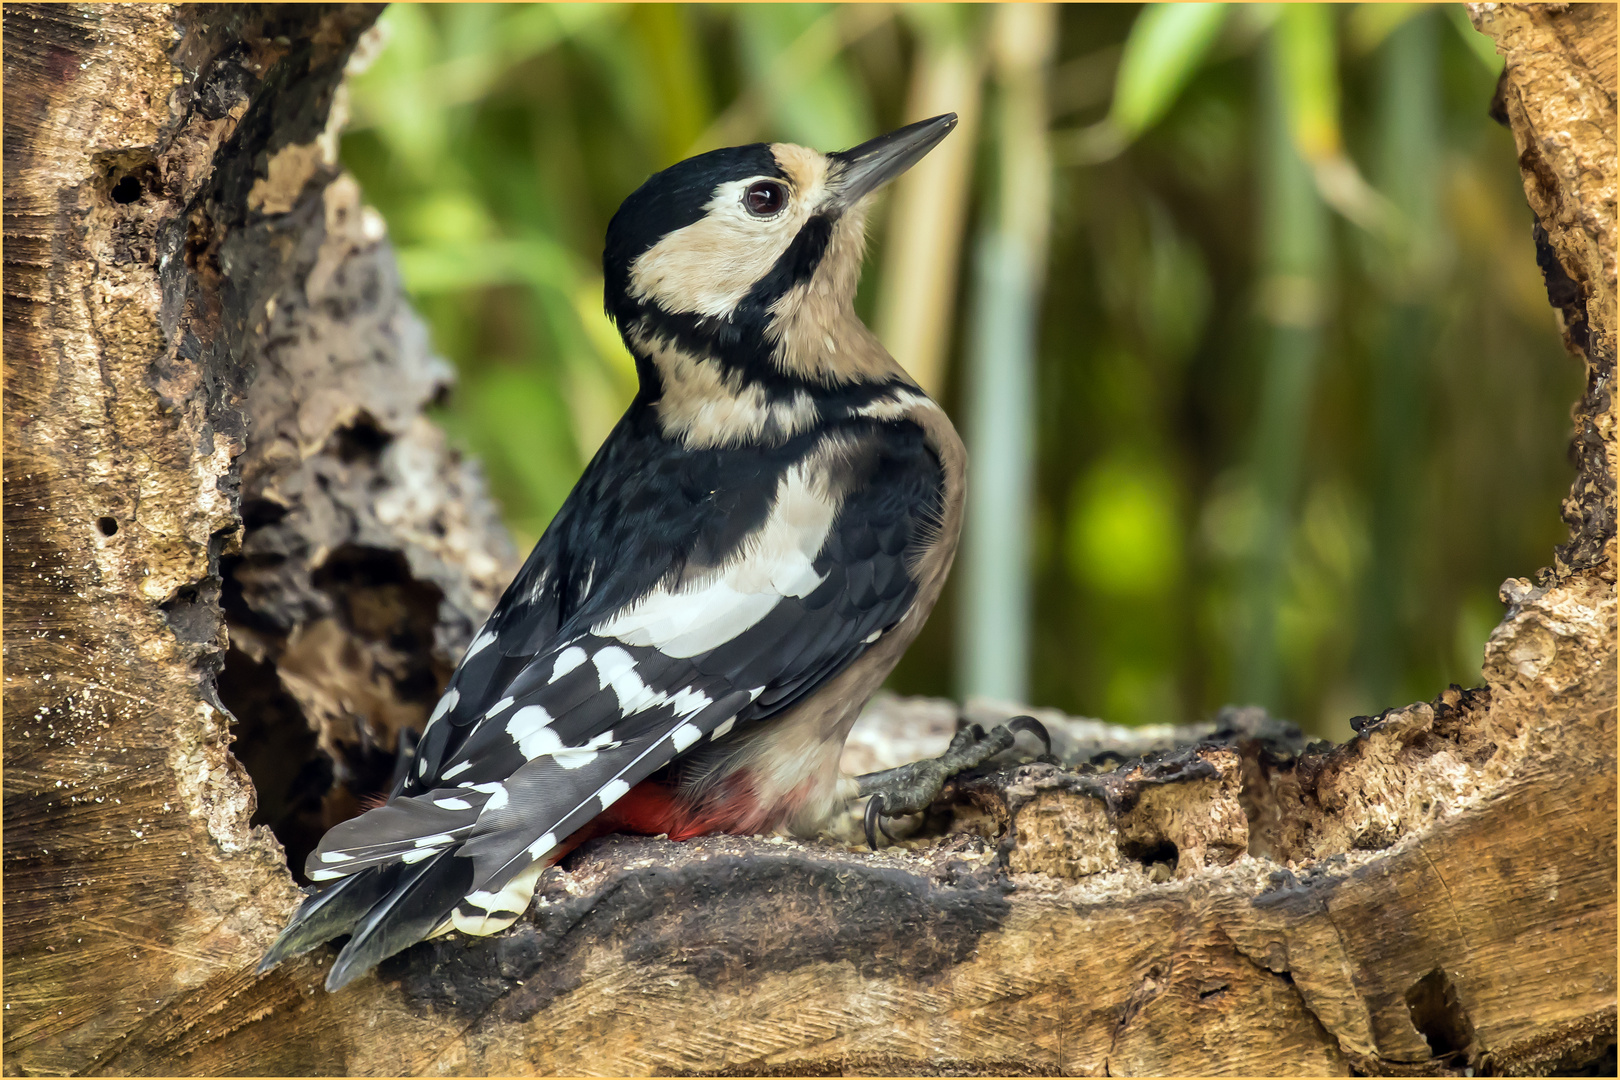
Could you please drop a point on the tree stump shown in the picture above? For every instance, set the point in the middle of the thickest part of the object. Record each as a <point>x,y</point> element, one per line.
<point>224,507</point>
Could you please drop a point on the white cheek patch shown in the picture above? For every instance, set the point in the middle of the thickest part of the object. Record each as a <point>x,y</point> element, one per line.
<point>707,267</point>
<point>777,561</point>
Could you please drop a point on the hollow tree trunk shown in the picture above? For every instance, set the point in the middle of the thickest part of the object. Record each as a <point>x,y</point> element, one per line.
<point>221,498</point>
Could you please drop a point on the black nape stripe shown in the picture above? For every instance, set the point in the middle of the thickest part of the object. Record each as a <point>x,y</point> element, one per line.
<point>738,342</point>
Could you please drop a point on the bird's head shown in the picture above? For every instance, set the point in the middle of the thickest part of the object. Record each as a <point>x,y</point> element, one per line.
<point>738,267</point>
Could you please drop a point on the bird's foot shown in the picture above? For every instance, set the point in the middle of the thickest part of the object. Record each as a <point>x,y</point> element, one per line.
<point>911,789</point>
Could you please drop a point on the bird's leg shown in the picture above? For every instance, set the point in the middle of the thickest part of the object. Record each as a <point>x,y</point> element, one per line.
<point>910,789</point>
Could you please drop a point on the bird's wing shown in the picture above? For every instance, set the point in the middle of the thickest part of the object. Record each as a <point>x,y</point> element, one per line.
<point>539,733</point>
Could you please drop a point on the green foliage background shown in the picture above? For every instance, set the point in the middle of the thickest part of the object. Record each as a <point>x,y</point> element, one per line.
<point>1207,530</point>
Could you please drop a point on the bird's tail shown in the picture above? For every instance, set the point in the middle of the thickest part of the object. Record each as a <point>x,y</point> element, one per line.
<point>384,909</point>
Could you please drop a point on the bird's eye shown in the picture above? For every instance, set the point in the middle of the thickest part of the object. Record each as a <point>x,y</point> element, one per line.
<point>765,199</point>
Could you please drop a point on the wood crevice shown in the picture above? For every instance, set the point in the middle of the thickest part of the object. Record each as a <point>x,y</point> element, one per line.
<point>229,345</point>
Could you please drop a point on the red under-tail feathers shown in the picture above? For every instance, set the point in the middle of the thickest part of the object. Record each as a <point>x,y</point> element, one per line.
<point>653,808</point>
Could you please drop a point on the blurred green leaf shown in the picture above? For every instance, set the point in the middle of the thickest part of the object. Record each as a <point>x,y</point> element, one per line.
<point>498,140</point>
<point>1479,44</point>
<point>1307,63</point>
<point>1370,24</point>
<point>1166,46</point>
<point>669,39</point>
<point>519,428</point>
<point>1124,539</point>
<point>452,266</point>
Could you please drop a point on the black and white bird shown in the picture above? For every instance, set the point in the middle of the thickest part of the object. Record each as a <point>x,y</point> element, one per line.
<point>738,569</point>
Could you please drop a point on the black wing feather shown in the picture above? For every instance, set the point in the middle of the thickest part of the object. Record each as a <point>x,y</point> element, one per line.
<point>546,721</point>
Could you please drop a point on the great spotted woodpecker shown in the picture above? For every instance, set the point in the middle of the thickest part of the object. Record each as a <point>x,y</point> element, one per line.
<point>736,572</point>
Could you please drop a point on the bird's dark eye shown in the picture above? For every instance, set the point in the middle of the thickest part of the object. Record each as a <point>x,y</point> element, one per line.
<point>765,199</point>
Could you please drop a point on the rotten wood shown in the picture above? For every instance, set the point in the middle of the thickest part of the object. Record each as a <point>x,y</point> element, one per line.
<point>230,537</point>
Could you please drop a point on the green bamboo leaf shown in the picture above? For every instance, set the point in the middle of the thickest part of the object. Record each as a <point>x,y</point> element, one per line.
<point>1308,72</point>
<point>815,98</point>
<point>452,267</point>
<point>1166,46</point>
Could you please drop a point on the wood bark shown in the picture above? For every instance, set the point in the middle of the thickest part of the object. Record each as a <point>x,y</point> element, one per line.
<point>226,519</point>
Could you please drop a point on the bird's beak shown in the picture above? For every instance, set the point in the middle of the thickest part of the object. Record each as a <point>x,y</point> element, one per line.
<point>861,170</point>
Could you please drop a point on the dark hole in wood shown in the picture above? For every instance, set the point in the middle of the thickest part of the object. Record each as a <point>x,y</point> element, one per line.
<point>193,612</point>
<point>1438,1015</point>
<point>311,772</point>
<point>1146,853</point>
<point>362,440</point>
<point>107,525</point>
<point>126,190</point>
<point>277,748</point>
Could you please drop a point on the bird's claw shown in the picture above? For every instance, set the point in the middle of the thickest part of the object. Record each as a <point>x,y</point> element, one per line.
<point>910,788</point>
<point>874,821</point>
<point>1034,727</point>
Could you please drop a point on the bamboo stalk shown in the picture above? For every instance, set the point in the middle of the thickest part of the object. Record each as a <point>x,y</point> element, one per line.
<point>1409,131</point>
<point>1295,254</point>
<point>993,632</point>
<point>916,310</point>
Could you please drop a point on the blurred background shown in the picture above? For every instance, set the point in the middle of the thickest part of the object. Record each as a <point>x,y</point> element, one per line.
<point>1236,306</point>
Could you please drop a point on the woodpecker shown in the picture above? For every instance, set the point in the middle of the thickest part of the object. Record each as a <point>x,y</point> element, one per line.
<point>736,572</point>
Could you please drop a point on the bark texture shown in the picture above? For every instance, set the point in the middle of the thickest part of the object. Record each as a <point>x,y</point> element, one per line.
<point>226,519</point>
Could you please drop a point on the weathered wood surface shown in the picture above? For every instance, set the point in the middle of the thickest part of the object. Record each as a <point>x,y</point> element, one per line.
<point>213,427</point>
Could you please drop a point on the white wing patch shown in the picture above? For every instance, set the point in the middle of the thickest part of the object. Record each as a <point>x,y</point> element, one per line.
<point>778,561</point>
<point>480,643</point>
<point>567,661</point>
<point>617,668</point>
<point>497,795</point>
<point>530,728</point>
<point>445,704</point>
